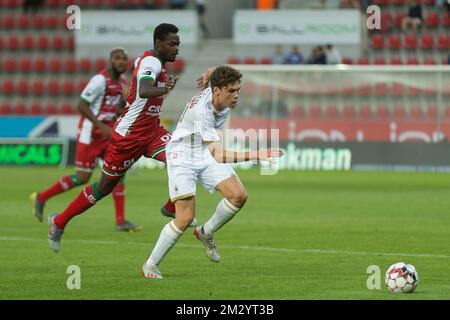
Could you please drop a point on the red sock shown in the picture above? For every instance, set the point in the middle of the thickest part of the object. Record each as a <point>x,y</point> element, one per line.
<point>170,206</point>
<point>119,202</point>
<point>64,184</point>
<point>86,199</point>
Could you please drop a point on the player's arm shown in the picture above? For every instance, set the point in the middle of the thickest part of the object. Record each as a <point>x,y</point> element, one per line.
<point>85,110</point>
<point>203,80</point>
<point>148,90</point>
<point>226,156</point>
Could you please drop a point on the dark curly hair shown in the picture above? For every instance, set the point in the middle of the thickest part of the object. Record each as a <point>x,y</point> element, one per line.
<point>162,30</point>
<point>224,75</point>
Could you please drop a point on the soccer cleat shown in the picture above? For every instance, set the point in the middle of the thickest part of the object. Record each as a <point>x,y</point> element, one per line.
<point>38,207</point>
<point>210,244</point>
<point>54,233</point>
<point>169,214</point>
<point>127,226</point>
<point>151,271</point>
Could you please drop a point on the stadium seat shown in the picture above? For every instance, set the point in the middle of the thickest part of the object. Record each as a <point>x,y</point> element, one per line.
<point>53,3</point>
<point>362,61</point>
<point>50,109</point>
<point>66,108</point>
<point>398,89</point>
<point>386,21</point>
<point>70,43</point>
<point>413,91</point>
<point>379,61</point>
<point>39,65</point>
<point>331,112</point>
<point>412,61</point>
<point>380,2</point>
<point>398,2</point>
<point>42,42</point>
<point>27,42</point>
<point>432,112</point>
<point>22,87</point>
<point>55,65</point>
<point>38,22</point>
<point>178,65</point>
<point>35,108</point>
<point>265,60</point>
<point>85,65</point>
<point>20,109</point>
<point>446,21</point>
<point>429,61</point>
<point>364,90</point>
<point>25,65</point>
<point>23,22</point>
<point>114,3</point>
<point>349,112</point>
<point>347,60</point>
<point>315,112</point>
<point>377,42</point>
<point>396,61</point>
<point>7,87</point>
<point>100,63</point>
<point>8,22</point>
<point>70,65</point>
<point>250,60</point>
<point>432,20</point>
<point>416,112</point>
<point>365,112</point>
<point>381,89</point>
<point>394,42</point>
<point>68,88</point>
<point>12,4</point>
<point>51,22</point>
<point>12,42</point>
<point>398,19</point>
<point>382,112</point>
<point>37,87</point>
<point>444,60</point>
<point>5,108</point>
<point>10,65</point>
<point>233,60</point>
<point>410,42</point>
<point>444,42</point>
<point>399,113</point>
<point>298,112</point>
<point>58,43</point>
<point>427,41</point>
<point>2,42</point>
<point>447,113</point>
<point>52,88</point>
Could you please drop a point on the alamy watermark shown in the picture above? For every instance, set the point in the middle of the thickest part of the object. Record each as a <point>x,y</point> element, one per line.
<point>73,21</point>
<point>74,280</point>
<point>373,21</point>
<point>374,280</point>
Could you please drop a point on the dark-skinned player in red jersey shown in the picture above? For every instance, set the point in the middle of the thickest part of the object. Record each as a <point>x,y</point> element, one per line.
<point>136,133</point>
<point>100,103</point>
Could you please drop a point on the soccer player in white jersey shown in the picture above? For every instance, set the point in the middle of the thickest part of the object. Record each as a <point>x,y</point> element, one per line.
<point>195,153</point>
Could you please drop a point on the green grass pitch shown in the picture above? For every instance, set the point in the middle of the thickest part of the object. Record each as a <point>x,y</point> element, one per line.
<point>301,235</point>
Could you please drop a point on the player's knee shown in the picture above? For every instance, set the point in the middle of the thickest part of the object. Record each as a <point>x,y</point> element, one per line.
<point>83,180</point>
<point>239,198</point>
<point>184,222</point>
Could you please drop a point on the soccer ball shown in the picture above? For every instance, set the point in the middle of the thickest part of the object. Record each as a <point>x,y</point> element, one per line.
<point>401,277</point>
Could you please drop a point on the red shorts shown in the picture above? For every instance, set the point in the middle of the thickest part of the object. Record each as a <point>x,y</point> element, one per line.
<point>123,152</point>
<point>87,154</point>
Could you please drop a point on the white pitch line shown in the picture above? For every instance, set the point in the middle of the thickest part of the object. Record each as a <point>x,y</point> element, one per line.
<point>288,250</point>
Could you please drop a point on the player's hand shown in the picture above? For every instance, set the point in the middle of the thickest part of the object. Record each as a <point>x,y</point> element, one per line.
<point>266,154</point>
<point>171,82</point>
<point>202,81</point>
<point>105,130</point>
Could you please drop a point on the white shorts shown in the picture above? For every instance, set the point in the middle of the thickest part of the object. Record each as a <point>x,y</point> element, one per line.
<point>184,170</point>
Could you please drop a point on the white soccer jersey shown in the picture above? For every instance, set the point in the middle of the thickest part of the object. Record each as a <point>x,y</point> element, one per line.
<point>200,121</point>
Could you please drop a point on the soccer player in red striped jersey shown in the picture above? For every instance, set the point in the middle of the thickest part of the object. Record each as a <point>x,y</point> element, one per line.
<point>136,133</point>
<point>100,103</point>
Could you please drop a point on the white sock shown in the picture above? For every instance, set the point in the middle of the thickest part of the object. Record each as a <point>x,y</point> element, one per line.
<point>167,239</point>
<point>225,211</point>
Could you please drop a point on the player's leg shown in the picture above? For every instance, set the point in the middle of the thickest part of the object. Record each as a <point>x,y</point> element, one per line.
<point>169,236</point>
<point>122,224</point>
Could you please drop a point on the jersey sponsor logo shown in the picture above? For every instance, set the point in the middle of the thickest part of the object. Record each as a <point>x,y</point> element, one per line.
<point>166,137</point>
<point>153,111</point>
<point>113,101</point>
<point>107,116</point>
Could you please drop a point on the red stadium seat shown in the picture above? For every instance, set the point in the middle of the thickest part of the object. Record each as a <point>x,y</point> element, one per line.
<point>8,22</point>
<point>70,43</point>
<point>35,108</point>
<point>398,89</point>
<point>50,109</point>
<point>25,65</point>
<point>51,22</point>
<point>7,87</point>
<point>427,41</point>
<point>58,43</point>
<point>443,42</point>
<point>315,112</point>
<point>447,112</point>
<point>432,20</point>
<point>23,22</point>
<point>429,61</point>
<point>10,65</point>
<point>22,87</point>
<point>380,2</point>
<point>39,65</point>
<point>410,42</point>
<point>114,3</point>
<point>27,42</point>
<point>446,20</point>
<point>398,2</point>
<point>2,42</point>
<point>386,21</point>
<point>379,61</point>
<point>70,65</point>
<point>396,61</point>
<point>432,112</point>
<point>53,3</point>
<point>20,109</point>
<point>52,88</point>
<point>377,42</point>
<point>364,90</point>
<point>362,61</point>
<point>38,22</point>
<point>66,108</point>
<point>398,19</point>
<point>5,108</point>
<point>394,42</point>
<point>365,112</point>
<point>347,60</point>
<point>12,4</point>
<point>382,112</point>
<point>298,112</point>
<point>399,112</point>
<point>68,88</point>
<point>55,65</point>
<point>233,60</point>
<point>416,112</point>
<point>413,91</point>
<point>12,42</point>
<point>42,42</point>
<point>37,87</point>
<point>381,89</point>
<point>100,63</point>
<point>265,60</point>
<point>412,61</point>
<point>85,65</point>
<point>249,60</point>
<point>331,112</point>
<point>178,65</point>
<point>349,112</point>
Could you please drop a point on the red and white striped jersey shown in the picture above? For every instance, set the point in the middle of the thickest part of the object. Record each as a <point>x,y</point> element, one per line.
<point>104,96</point>
<point>141,115</point>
